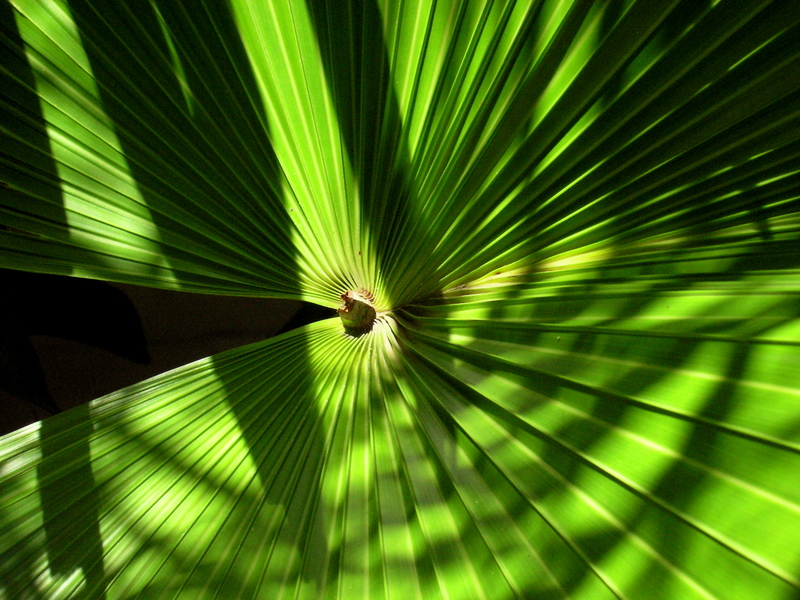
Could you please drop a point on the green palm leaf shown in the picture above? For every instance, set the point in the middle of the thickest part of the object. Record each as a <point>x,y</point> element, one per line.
<point>579,223</point>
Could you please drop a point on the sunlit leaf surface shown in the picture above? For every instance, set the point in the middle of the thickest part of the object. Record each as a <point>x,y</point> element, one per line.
<point>580,224</point>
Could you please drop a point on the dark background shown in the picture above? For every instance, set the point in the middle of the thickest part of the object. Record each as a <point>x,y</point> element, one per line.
<point>88,341</point>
